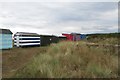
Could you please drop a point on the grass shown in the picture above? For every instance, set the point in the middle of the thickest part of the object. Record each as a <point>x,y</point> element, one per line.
<point>15,58</point>
<point>105,40</point>
<point>71,59</point>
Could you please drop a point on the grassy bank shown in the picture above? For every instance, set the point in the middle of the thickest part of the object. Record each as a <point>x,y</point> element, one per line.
<point>72,59</point>
<point>113,41</point>
<point>105,38</point>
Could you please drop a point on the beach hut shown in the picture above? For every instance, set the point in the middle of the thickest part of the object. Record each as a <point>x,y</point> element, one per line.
<point>5,39</point>
<point>72,36</point>
<point>68,36</point>
<point>82,36</point>
<point>48,39</point>
<point>24,39</point>
<point>76,36</point>
<point>62,38</point>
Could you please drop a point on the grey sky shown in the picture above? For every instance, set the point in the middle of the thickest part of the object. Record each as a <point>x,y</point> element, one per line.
<point>58,17</point>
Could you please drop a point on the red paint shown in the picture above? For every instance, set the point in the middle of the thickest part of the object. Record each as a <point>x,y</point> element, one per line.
<point>69,36</point>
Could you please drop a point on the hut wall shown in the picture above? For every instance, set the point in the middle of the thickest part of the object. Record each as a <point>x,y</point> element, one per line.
<point>82,36</point>
<point>26,40</point>
<point>47,40</point>
<point>77,37</point>
<point>55,39</point>
<point>69,36</point>
<point>5,41</point>
<point>62,38</point>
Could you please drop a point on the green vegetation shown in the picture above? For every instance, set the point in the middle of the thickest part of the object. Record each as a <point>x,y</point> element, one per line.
<point>72,59</point>
<point>65,59</point>
<point>105,40</point>
<point>104,35</point>
<point>110,38</point>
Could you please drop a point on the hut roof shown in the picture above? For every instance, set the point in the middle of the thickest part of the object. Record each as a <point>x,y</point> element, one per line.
<point>62,36</point>
<point>25,33</point>
<point>48,35</point>
<point>5,31</point>
<point>76,33</point>
<point>72,33</point>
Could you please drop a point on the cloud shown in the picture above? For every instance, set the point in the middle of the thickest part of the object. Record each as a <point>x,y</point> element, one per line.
<point>59,0</point>
<point>58,17</point>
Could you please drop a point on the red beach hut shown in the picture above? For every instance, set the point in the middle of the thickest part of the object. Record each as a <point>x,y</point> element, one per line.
<point>69,36</point>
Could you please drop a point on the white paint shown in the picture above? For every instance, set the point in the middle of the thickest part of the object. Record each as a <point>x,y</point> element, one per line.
<point>27,37</point>
<point>26,40</point>
<point>23,44</point>
<point>17,38</point>
<point>18,43</point>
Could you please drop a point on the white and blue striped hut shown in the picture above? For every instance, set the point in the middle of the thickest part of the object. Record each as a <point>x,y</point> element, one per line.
<point>23,39</point>
<point>5,39</point>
